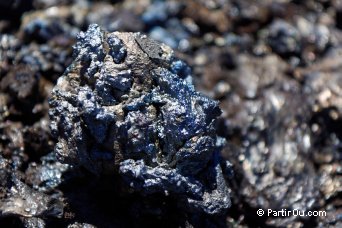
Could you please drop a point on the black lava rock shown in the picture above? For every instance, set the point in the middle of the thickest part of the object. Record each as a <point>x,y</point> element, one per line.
<point>126,105</point>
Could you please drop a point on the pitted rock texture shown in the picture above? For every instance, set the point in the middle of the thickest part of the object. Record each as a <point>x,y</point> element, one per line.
<point>126,105</point>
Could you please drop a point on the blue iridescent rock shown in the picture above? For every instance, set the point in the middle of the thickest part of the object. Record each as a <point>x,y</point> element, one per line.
<point>126,105</point>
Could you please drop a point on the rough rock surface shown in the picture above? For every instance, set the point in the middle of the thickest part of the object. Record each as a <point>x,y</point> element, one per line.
<point>275,67</point>
<point>126,105</point>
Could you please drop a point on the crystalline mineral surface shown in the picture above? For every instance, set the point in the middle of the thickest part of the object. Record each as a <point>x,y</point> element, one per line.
<point>126,105</point>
